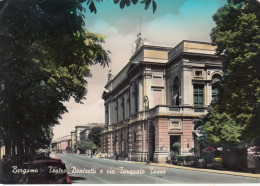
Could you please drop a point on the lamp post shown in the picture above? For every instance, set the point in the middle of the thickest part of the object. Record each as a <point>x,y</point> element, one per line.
<point>146,107</point>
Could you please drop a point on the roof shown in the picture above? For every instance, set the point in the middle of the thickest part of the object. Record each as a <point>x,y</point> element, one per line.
<point>89,125</point>
<point>159,55</point>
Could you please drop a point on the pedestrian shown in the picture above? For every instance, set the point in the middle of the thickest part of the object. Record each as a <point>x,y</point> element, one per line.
<point>116,155</point>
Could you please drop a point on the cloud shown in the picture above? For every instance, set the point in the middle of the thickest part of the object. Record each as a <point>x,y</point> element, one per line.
<point>121,47</point>
<point>102,27</point>
<point>193,22</point>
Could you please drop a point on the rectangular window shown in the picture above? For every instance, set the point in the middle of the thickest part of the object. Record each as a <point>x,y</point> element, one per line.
<point>135,137</point>
<point>174,125</point>
<point>198,94</point>
<point>157,80</point>
<point>198,74</point>
<point>157,97</point>
<point>215,93</point>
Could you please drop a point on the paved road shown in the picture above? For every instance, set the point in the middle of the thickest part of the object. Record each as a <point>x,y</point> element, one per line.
<point>83,169</point>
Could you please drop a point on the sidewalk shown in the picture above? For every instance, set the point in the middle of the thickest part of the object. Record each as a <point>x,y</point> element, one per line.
<point>244,174</point>
<point>201,169</point>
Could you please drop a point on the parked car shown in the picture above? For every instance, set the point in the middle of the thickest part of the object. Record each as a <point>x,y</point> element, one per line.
<point>47,171</point>
<point>40,157</point>
<point>101,155</point>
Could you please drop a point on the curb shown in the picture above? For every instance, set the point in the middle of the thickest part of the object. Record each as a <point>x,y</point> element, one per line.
<point>196,169</point>
<point>202,170</point>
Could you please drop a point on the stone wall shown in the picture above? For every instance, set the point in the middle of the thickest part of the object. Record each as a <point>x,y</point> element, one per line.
<point>187,142</point>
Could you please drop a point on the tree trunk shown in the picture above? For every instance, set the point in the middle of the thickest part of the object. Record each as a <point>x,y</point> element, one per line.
<point>20,151</point>
<point>26,154</point>
<point>13,147</point>
<point>7,142</point>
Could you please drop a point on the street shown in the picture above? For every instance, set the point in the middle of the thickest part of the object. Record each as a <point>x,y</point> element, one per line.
<point>87,170</point>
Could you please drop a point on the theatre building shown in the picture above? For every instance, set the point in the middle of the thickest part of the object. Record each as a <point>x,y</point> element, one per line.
<point>155,99</point>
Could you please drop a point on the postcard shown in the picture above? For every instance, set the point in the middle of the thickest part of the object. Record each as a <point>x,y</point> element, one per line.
<point>129,92</point>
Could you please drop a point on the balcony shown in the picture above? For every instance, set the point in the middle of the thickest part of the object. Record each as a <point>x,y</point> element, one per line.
<point>159,110</point>
<point>176,110</point>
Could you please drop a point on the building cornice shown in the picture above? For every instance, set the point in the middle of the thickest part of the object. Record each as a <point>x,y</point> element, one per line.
<point>157,47</point>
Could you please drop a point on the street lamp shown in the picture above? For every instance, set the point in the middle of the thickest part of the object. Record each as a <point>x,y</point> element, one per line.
<point>146,108</point>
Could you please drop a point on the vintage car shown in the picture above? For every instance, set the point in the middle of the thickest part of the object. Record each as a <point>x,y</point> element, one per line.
<point>45,171</point>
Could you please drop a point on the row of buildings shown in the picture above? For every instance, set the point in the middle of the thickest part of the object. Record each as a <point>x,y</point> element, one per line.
<point>154,101</point>
<point>69,143</point>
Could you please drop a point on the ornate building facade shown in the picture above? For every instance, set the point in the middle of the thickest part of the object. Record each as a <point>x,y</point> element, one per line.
<point>155,99</point>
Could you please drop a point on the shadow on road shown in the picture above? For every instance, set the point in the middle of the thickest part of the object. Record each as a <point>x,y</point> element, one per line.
<point>76,178</point>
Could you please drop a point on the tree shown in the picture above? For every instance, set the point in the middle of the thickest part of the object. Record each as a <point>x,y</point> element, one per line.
<point>69,149</point>
<point>235,116</point>
<point>45,58</point>
<point>222,129</point>
<point>122,4</point>
<point>87,145</point>
<point>42,65</point>
<point>95,136</point>
<point>176,147</point>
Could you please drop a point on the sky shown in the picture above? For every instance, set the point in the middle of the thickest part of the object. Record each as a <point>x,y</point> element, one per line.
<point>173,21</point>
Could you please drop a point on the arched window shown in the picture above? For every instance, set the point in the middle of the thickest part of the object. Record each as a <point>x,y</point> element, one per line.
<point>116,109</point>
<point>115,137</point>
<point>129,102</point>
<point>176,92</point>
<point>215,86</point>
<point>123,106</point>
<point>107,113</point>
<point>135,95</point>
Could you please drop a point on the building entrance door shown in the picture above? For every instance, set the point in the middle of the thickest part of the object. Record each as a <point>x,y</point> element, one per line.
<point>174,139</point>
